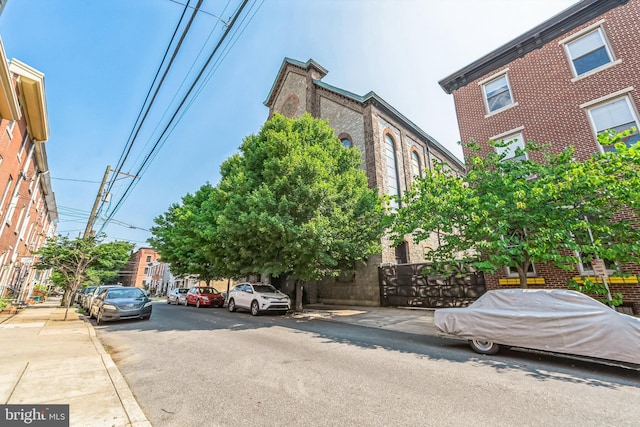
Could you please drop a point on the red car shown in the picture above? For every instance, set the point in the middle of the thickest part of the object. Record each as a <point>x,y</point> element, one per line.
<point>204,297</point>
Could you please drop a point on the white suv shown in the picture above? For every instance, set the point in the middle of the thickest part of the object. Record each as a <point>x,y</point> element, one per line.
<point>258,298</point>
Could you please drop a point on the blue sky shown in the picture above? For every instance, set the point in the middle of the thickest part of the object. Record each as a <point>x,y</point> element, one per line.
<point>99,59</point>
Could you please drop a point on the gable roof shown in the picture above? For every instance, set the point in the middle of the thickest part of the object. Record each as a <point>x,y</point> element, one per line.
<point>369,98</point>
<point>562,23</point>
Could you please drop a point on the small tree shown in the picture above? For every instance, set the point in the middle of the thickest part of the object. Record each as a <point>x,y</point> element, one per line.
<point>514,213</point>
<point>72,258</point>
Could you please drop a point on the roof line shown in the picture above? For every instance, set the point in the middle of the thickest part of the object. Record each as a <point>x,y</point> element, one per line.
<point>562,23</point>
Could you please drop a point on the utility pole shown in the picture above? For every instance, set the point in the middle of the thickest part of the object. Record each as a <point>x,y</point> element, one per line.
<point>92,217</point>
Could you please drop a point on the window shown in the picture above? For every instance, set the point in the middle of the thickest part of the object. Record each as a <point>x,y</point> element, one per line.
<point>588,52</point>
<point>514,142</point>
<point>587,270</point>
<point>148,258</point>
<point>617,115</point>
<point>146,270</point>
<point>513,272</point>
<point>393,180</point>
<point>402,253</point>
<point>4,195</point>
<point>24,144</point>
<point>416,169</point>
<point>10,127</point>
<point>497,93</point>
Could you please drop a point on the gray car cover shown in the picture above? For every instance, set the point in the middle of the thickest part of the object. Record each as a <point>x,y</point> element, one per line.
<point>561,321</point>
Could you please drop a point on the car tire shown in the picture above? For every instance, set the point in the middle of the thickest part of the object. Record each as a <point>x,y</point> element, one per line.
<point>255,308</point>
<point>198,303</point>
<point>146,318</point>
<point>484,347</point>
<point>232,305</point>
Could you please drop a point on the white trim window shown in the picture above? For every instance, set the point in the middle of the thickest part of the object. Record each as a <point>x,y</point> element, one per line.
<point>513,272</point>
<point>617,115</point>
<point>515,141</point>
<point>586,269</point>
<point>589,52</point>
<point>497,93</point>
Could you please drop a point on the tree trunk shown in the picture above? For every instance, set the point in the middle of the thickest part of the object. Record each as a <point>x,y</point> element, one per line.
<point>299,290</point>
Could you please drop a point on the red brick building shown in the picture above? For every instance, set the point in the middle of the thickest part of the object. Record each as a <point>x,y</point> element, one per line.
<point>28,212</point>
<point>562,82</point>
<point>137,270</point>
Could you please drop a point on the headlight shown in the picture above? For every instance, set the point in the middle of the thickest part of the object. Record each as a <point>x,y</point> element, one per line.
<point>147,304</point>
<point>109,307</point>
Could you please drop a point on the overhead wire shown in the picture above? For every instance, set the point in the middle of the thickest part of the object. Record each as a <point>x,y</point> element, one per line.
<point>142,114</point>
<point>177,111</point>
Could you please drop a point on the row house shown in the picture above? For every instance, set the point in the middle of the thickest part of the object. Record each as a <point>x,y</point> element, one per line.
<point>137,270</point>
<point>394,151</point>
<point>28,212</point>
<point>562,82</point>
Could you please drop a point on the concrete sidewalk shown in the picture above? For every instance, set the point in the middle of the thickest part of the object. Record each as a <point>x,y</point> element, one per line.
<point>44,360</point>
<point>411,320</point>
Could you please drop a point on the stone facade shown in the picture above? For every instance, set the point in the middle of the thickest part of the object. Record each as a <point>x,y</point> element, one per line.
<point>552,101</point>
<point>365,121</point>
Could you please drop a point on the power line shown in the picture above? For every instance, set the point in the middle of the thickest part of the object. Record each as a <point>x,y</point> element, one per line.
<point>177,111</point>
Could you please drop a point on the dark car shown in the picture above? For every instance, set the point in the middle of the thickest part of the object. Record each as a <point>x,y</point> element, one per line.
<point>204,297</point>
<point>120,303</point>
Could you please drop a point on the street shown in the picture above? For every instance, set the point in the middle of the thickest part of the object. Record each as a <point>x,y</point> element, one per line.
<point>207,366</point>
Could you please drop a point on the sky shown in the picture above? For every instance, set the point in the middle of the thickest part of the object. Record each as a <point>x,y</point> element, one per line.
<point>99,59</point>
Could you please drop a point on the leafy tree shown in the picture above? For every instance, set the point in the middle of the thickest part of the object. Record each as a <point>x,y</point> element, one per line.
<point>185,237</point>
<point>72,259</point>
<point>295,202</point>
<point>514,213</point>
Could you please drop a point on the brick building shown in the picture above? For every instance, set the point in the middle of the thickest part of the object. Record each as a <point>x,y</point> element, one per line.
<point>137,271</point>
<point>28,212</point>
<point>562,82</point>
<point>394,151</point>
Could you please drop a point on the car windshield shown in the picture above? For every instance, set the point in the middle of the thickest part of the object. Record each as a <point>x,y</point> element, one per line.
<point>208,290</point>
<point>264,288</point>
<point>125,293</point>
<point>182,291</point>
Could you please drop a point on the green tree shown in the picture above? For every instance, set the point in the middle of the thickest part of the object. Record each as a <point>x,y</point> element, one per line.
<point>73,259</point>
<point>295,202</point>
<point>514,213</point>
<point>186,237</point>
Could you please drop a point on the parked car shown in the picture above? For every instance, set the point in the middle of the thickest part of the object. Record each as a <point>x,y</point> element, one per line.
<point>204,297</point>
<point>177,296</point>
<point>258,298</point>
<point>120,303</point>
<point>85,295</point>
<point>88,301</point>
<point>560,321</point>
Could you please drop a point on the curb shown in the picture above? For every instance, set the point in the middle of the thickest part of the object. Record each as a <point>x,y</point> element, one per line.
<point>129,403</point>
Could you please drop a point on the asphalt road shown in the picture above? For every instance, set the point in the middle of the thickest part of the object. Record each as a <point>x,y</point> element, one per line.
<point>209,367</point>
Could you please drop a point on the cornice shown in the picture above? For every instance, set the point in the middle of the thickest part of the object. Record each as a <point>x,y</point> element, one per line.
<point>9,105</point>
<point>32,96</point>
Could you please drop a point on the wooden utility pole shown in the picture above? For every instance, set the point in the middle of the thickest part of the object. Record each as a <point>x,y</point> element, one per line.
<point>92,216</point>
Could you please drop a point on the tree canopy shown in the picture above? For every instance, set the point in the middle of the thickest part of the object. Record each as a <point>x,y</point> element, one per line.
<point>294,202</point>
<point>79,260</point>
<point>514,213</point>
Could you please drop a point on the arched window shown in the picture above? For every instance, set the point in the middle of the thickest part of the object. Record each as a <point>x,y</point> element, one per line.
<point>345,138</point>
<point>416,168</point>
<point>393,180</point>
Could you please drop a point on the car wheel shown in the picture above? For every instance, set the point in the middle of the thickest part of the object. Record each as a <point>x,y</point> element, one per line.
<point>146,318</point>
<point>198,303</point>
<point>232,305</point>
<point>255,308</point>
<point>484,347</point>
